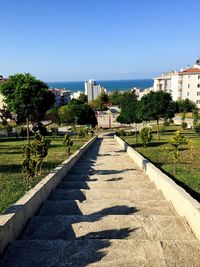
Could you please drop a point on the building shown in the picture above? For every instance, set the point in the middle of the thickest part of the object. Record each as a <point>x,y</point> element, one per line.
<point>183,84</point>
<point>62,96</point>
<point>92,90</point>
<point>76,95</point>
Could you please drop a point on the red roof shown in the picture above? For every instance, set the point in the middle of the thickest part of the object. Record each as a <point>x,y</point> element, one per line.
<point>190,70</point>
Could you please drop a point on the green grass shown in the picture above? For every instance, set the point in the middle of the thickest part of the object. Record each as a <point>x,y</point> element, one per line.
<point>187,173</point>
<point>11,176</point>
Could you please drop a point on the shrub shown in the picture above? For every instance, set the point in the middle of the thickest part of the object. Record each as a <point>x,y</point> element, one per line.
<point>33,157</point>
<point>146,135</point>
<point>68,142</point>
<point>184,125</point>
<point>122,133</point>
<point>197,128</point>
<point>54,131</point>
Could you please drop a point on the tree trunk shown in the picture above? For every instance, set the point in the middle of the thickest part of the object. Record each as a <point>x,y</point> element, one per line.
<point>28,136</point>
<point>158,130</point>
<point>136,141</point>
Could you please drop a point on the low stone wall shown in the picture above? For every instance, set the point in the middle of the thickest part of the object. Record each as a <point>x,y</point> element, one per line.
<point>183,203</point>
<point>13,221</point>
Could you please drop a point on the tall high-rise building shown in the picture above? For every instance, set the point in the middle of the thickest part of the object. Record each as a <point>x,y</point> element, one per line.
<point>92,90</point>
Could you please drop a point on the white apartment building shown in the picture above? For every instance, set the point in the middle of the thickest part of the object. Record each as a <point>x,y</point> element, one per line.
<point>181,85</point>
<point>92,90</point>
<point>62,96</point>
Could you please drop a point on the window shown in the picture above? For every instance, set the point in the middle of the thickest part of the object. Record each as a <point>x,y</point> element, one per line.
<point>188,93</point>
<point>188,85</point>
<point>198,102</point>
<point>198,93</point>
<point>198,85</point>
<point>198,76</point>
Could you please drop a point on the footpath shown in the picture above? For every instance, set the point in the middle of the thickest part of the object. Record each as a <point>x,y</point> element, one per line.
<point>105,212</point>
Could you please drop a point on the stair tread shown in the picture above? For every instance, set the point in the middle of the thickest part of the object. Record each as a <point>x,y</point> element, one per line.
<point>106,207</point>
<point>108,252</point>
<point>153,227</point>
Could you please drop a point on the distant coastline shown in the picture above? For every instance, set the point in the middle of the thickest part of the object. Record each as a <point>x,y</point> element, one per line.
<point>110,85</point>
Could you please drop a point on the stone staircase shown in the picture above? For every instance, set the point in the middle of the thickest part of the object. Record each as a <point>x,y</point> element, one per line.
<point>105,212</point>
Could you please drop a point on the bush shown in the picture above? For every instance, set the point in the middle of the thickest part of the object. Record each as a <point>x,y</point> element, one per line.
<point>54,131</point>
<point>184,125</point>
<point>146,135</point>
<point>122,133</point>
<point>197,129</point>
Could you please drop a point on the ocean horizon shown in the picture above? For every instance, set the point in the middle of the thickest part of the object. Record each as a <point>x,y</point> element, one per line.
<point>110,85</point>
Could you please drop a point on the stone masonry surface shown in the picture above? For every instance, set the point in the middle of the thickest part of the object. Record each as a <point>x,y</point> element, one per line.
<point>105,212</point>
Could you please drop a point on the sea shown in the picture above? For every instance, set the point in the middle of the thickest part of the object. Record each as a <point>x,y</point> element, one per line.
<point>110,85</point>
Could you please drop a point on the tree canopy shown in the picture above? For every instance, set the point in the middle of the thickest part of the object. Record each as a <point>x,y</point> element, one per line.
<point>27,97</point>
<point>157,105</point>
<point>77,112</point>
<point>129,105</point>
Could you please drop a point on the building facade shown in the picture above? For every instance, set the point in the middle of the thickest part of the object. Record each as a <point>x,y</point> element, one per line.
<point>62,96</point>
<point>181,85</point>
<point>92,90</point>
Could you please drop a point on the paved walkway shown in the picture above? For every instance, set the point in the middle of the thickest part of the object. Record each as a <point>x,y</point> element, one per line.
<point>105,212</point>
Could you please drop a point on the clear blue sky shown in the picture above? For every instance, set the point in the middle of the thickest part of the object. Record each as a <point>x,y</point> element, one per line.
<point>65,40</point>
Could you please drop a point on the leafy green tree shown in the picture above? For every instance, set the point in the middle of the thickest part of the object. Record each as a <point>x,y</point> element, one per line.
<point>129,110</point>
<point>146,135</point>
<point>185,105</point>
<point>76,112</point>
<point>53,115</point>
<point>116,98</point>
<point>27,97</point>
<point>83,98</point>
<point>157,105</point>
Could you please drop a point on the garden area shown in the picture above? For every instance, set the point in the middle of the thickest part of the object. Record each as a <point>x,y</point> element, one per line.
<point>186,173</point>
<point>12,185</point>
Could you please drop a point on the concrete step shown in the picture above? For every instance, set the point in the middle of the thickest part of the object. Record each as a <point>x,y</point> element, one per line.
<point>92,171</point>
<point>118,253</point>
<point>138,227</point>
<point>105,207</point>
<point>103,194</point>
<point>117,184</point>
<point>137,177</point>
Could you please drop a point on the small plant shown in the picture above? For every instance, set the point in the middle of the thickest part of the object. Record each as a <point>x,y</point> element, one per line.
<point>146,135</point>
<point>28,165</point>
<point>40,148</point>
<point>184,125</point>
<point>33,157</point>
<point>68,142</point>
<point>174,149</point>
<point>82,134</point>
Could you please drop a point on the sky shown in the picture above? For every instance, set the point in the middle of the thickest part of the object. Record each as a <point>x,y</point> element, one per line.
<point>74,40</point>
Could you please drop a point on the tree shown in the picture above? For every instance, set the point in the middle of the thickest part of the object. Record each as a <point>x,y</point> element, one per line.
<point>77,112</point>
<point>53,115</point>
<point>129,110</point>
<point>115,98</point>
<point>83,98</point>
<point>27,97</point>
<point>185,105</point>
<point>157,105</point>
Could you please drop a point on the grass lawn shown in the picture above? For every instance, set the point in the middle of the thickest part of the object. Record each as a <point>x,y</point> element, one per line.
<point>11,157</point>
<point>188,171</point>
